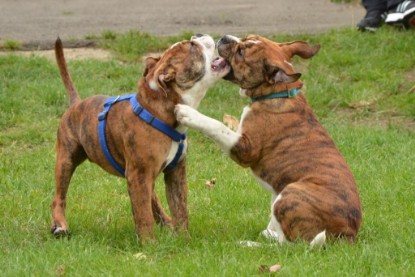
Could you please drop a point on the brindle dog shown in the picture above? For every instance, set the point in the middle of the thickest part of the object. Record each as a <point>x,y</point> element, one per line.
<point>182,74</point>
<point>280,139</point>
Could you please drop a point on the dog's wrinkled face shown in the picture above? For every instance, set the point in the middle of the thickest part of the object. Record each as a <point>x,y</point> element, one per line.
<point>256,60</point>
<point>187,67</point>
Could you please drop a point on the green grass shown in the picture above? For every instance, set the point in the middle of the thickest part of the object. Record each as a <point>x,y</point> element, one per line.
<point>378,141</point>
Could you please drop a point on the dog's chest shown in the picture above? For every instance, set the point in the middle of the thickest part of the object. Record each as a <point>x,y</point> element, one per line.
<point>173,150</point>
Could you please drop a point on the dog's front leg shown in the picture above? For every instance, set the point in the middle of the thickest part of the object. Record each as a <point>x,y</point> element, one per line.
<point>217,131</point>
<point>176,192</point>
<point>237,145</point>
<point>140,189</point>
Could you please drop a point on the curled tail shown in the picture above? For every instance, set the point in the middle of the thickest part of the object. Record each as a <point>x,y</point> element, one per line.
<point>66,77</point>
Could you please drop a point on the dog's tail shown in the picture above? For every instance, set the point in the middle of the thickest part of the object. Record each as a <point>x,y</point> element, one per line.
<point>66,77</point>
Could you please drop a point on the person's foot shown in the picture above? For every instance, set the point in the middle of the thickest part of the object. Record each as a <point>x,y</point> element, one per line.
<point>371,22</point>
<point>402,15</point>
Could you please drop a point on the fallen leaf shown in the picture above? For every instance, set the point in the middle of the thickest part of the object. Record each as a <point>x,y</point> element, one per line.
<point>231,121</point>
<point>60,270</point>
<point>248,243</point>
<point>210,183</point>
<point>362,104</point>
<point>269,269</point>
<point>140,256</point>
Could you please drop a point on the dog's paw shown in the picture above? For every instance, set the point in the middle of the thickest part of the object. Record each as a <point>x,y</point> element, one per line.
<point>270,234</point>
<point>186,115</point>
<point>60,232</point>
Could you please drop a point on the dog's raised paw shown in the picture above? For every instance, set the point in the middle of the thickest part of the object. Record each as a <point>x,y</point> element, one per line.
<point>185,114</point>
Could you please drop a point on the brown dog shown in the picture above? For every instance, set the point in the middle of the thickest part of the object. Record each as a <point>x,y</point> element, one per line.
<point>182,74</point>
<point>279,138</point>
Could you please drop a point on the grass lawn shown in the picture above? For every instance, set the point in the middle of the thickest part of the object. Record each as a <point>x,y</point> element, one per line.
<point>362,87</point>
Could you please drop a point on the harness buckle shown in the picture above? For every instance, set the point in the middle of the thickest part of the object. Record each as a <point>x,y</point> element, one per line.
<point>102,115</point>
<point>139,110</point>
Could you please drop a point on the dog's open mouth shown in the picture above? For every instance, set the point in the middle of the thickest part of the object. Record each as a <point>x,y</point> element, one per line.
<point>220,64</point>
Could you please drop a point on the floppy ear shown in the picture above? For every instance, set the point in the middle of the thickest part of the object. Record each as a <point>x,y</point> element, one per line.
<point>150,63</point>
<point>278,75</point>
<point>164,78</point>
<point>300,48</point>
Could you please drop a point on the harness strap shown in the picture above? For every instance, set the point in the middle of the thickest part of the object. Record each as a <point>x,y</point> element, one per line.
<point>155,122</point>
<point>145,116</point>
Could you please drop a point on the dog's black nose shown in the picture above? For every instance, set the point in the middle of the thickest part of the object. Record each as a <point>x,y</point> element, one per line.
<point>225,39</point>
<point>198,35</point>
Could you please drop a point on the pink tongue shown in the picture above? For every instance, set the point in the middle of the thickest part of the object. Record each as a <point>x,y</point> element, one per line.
<point>218,62</point>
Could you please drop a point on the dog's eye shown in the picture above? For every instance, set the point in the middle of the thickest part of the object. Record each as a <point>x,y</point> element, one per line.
<point>192,46</point>
<point>240,52</point>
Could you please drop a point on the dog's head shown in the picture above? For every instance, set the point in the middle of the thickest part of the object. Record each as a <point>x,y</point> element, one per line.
<point>187,68</point>
<point>258,63</point>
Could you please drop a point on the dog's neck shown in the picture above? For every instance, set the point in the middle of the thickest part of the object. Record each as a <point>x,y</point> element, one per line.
<point>160,104</point>
<point>266,89</point>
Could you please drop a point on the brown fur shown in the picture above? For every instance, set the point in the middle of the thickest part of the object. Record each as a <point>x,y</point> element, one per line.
<point>285,145</point>
<point>135,145</point>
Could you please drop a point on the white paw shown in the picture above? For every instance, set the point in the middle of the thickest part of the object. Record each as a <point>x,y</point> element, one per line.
<point>270,234</point>
<point>186,115</point>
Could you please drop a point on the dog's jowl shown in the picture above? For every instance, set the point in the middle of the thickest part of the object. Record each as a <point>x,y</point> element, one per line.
<point>137,135</point>
<point>289,152</point>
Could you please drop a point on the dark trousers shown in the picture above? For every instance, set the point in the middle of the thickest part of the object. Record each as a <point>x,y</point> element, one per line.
<point>380,5</point>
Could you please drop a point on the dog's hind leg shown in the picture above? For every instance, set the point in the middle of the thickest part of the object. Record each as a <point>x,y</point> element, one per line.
<point>67,160</point>
<point>274,230</point>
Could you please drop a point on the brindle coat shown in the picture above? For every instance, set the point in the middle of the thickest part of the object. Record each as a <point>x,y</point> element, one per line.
<point>283,143</point>
<point>135,145</point>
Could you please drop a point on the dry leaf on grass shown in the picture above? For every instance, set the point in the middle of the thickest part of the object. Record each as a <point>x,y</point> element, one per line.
<point>60,270</point>
<point>140,256</point>
<point>210,183</point>
<point>269,269</point>
<point>362,104</point>
<point>248,243</point>
<point>231,121</point>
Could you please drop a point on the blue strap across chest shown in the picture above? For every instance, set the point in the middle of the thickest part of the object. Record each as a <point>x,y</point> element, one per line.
<point>145,116</point>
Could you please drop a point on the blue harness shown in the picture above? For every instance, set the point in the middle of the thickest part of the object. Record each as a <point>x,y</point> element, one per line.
<point>148,118</point>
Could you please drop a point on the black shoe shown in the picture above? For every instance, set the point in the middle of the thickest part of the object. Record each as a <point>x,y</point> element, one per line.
<point>403,14</point>
<point>371,22</point>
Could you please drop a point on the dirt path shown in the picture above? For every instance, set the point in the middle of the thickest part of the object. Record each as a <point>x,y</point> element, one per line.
<point>41,21</point>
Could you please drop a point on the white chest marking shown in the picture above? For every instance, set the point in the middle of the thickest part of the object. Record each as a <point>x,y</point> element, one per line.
<point>173,150</point>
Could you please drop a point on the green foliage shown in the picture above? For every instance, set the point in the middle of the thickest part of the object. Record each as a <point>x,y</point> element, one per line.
<point>377,140</point>
<point>133,44</point>
<point>10,44</point>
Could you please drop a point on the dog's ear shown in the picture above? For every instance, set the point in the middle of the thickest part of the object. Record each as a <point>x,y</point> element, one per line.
<point>300,48</point>
<point>150,63</point>
<point>164,78</point>
<point>278,75</point>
